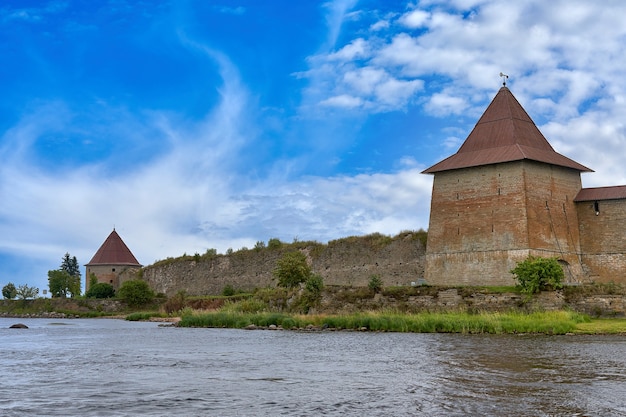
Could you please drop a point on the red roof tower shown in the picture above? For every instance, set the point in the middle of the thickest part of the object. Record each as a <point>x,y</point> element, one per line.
<point>114,252</point>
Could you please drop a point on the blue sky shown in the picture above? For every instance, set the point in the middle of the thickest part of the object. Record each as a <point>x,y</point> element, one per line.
<point>190,125</point>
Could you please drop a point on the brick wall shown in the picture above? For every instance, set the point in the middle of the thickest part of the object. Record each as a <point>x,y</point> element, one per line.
<point>603,239</point>
<point>485,219</point>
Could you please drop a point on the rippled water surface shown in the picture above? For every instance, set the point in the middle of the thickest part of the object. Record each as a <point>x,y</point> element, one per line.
<point>101,367</point>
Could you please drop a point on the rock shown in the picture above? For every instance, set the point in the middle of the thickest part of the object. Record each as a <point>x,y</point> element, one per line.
<point>250,327</point>
<point>272,327</point>
<point>18,326</point>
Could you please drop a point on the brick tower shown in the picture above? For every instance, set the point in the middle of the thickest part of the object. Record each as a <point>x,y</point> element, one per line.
<point>505,195</point>
<point>113,263</point>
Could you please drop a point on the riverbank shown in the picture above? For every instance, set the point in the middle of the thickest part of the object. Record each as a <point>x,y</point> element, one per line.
<point>553,322</point>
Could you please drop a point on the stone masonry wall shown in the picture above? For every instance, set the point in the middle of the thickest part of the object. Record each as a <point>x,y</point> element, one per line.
<point>350,261</point>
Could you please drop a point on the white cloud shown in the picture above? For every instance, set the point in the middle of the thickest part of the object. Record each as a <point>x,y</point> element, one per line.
<point>414,19</point>
<point>355,50</point>
<point>343,100</point>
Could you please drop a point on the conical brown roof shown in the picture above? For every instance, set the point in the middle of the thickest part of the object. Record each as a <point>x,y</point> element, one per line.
<point>114,252</point>
<point>504,133</point>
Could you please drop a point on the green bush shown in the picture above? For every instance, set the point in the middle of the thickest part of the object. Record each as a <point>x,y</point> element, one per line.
<point>100,290</point>
<point>274,243</point>
<point>136,292</point>
<point>292,269</point>
<point>536,274</point>
<point>375,284</point>
<point>228,291</point>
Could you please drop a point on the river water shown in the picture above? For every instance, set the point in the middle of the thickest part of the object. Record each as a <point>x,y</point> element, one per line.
<point>104,367</point>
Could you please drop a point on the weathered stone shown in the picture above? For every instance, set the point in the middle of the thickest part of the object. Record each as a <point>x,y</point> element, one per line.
<point>18,326</point>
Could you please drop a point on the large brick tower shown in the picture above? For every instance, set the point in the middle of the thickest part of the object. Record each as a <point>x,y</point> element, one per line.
<point>504,195</point>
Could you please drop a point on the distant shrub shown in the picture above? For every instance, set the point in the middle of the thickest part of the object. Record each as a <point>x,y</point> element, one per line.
<point>259,245</point>
<point>375,284</point>
<point>176,303</point>
<point>136,292</point>
<point>228,291</point>
<point>100,290</point>
<point>292,269</point>
<point>535,274</point>
<point>314,284</point>
<point>274,243</point>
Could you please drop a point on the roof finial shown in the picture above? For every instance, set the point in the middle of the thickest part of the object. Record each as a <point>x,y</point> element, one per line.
<point>504,78</point>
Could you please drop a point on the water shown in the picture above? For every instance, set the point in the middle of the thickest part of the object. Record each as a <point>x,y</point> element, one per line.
<point>101,367</point>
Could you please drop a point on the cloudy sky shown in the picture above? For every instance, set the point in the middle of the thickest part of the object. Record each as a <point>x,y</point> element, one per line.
<point>190,125</point>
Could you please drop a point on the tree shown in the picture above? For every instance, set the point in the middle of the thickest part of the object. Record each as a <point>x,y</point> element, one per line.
<point>24,292</point>
<point>9,291</point>
<point>70,265</point>
<point>65,281</point>
<point>535,274</point>
<point>136,292</point>
<point>100,290</point>
<point>62,284</point>
<point>292,269</point>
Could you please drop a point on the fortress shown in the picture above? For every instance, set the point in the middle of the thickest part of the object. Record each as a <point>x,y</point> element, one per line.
<point>505,195</point>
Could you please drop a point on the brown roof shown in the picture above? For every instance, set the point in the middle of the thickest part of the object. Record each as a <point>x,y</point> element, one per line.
<point>504,133</point>
<point>114,252</point>
<point>602,193</point>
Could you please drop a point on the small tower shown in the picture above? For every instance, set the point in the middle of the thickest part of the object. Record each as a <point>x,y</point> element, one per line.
<point>505,195</point>
<point>113,263</point>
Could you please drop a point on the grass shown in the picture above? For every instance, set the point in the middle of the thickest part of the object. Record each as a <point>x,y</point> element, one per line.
<point>602,326</point>
<point>146,315</point>
<point>555,322</point>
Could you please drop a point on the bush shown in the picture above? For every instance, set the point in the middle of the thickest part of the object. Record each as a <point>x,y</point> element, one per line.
<point>100,290</point>
<point>136,292</point>
<point>536,274</point>
<point>274,243</point>
<point>375,284</point>
<point>176,303</point>
<point>9,291</point>
<point>292,269</point>
<point>228,291</point>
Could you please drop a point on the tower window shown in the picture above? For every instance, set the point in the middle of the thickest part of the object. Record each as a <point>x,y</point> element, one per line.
<point>596,207</point>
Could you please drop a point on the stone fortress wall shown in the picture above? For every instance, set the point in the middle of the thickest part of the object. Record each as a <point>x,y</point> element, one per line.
<point>350,261</point>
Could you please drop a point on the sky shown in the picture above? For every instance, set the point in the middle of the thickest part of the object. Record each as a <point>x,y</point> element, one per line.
<point>195,125</point>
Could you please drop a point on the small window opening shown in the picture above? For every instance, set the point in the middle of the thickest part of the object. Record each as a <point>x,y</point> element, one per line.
<point>113,269</point>
<point>596,207</point>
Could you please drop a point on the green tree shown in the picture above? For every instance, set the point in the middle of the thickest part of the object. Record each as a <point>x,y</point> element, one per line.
<point>100,290</point>
<point>62,284</point>
<point>70,265</point>
<point>292,269</point>
<point>535,274</point>
<point>9,291</point>
<point>24,292</point>
<point>136,292</point>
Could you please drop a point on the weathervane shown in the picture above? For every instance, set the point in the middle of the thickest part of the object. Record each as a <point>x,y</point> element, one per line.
<point>504,78</point>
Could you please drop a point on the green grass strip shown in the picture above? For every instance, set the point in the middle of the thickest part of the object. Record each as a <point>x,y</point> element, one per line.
<point>557,322</point>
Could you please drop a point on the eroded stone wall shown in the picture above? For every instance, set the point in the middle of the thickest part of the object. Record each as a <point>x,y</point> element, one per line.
<point>349,261</point>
